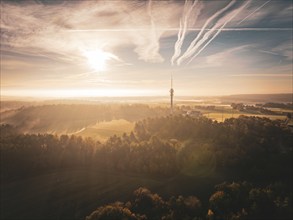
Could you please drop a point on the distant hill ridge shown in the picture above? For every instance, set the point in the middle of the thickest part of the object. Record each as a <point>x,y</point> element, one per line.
<point>280,98</point>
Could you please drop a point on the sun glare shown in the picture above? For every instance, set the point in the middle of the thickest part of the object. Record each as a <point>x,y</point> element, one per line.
<point>97,59</point>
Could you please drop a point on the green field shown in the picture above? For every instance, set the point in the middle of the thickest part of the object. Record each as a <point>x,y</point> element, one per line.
<point>103,130</point>
<point>222,116</point>
<point>281,110</point>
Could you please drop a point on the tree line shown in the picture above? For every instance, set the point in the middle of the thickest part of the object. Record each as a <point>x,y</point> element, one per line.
<point>228,201</point>
<point>247,147</point>
<point>66,118</point>
<point>252,149</point>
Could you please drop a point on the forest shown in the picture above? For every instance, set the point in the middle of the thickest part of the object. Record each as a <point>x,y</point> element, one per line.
<point>65,118</point>
<point>237,169</point>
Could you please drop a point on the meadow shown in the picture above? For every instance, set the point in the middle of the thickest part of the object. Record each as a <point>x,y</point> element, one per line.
<point>220,117</point>
<point>103,130</point>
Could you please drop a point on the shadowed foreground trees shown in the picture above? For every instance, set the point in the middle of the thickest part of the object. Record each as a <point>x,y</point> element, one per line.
<point>113,211</point>
<point>147,205</point>
<point>239,200</point>
<point>256,150</point>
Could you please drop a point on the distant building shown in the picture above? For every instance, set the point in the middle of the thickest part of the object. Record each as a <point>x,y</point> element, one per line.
<point>194,113</point>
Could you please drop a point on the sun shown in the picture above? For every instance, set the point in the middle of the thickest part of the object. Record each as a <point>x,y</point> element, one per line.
<point>97,59</point>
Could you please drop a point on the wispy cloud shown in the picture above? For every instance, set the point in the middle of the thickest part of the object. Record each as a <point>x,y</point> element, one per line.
<point>284,49</point>
<point>42,29</point>
<point>269,52</point>
<point>45,42</point>
<point>205,37</point>
<point>231,16</point>
<point>61,31</point>
<point>254,11</point>
<point>199,40</point>
<point>148,47</point>
<point>221,59</point>
<point>188,9</point>
<point>252,58</point>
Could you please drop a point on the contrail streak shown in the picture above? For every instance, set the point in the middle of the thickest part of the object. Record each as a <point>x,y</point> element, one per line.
<point>190,50</point>
<point>269,52</point>
<point>179,39</point>
<point>182,30</point>
<point>219,31</point>
<point>177,44</point>
<point>253,12</point>
<point>176,29</point>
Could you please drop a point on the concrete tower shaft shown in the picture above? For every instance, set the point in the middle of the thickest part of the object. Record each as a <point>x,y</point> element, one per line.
<point>171,94</point>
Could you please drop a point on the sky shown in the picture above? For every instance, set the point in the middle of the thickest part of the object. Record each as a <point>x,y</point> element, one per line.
<point>131,48</point>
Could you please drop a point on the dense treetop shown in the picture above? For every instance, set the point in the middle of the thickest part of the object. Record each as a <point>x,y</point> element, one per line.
<point>252,149</point>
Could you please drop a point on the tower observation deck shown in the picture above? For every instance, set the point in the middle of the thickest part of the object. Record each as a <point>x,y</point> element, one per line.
<point>171,95</point>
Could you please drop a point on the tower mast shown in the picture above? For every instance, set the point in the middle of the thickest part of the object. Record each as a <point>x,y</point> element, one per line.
<point>171,94</point>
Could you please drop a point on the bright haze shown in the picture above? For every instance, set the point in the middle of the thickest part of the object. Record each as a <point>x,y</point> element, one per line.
<point>131,48</point>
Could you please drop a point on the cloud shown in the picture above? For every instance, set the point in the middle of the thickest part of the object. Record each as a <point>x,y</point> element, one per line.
<point>184,23</point>
<point>284,49</point>
<point>267,14</point>
<point>60,32</point>
<point>217,22</point>
<point>232,57</point>
<point>227,20</point>
<point>147,41</point>
<point>230,14</point>
<point>65,30</point>
<point>200,38</point>
<point>253,12</point>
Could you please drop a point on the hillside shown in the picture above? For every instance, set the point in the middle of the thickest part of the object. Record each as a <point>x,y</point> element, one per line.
<point>68,119</point>
<point>259,98</point>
